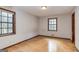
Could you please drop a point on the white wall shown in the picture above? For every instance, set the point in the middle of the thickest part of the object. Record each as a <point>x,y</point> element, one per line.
<point>63,26</point>
<point>26,27</point>
<point>77,27</point>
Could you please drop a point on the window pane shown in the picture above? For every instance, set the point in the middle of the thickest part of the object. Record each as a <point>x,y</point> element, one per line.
<point>10,19</point>
<point>10,15</point>
<point>4,19</point>
<point>54,22</point>
<point>0,25</point>
<point>50,22</point>
<point>0,31</point>
<point>50,27</point>
<point>0,12</point>
<point>54,26</point>
<point>4,25</point>
<point>10,30</point>
<point>4,13</point>
<point>0,18</point>
<point>4,31</point>
<point>10,25</point>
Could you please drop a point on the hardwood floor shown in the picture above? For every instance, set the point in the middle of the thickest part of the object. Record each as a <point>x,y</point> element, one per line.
<point>43,44</point>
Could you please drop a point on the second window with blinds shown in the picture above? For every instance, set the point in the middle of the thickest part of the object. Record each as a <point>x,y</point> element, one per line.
<point>52,24</point>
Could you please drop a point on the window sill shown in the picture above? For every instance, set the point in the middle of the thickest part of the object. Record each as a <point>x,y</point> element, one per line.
<point>7,34</point>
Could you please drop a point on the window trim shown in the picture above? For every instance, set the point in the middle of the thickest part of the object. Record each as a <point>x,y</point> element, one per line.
<point>14,23</point>
<point>56,23</point>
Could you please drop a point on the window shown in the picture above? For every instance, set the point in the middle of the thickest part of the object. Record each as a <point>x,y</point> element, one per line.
<point>7,23</point>
<point>52,24</point>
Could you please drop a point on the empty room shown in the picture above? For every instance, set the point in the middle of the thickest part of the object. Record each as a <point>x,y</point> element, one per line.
<point>39,28</point>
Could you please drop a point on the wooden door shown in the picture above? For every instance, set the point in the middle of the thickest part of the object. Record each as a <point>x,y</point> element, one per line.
<point>73,28</point>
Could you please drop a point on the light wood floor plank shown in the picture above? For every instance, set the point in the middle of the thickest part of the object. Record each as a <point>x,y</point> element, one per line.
<point>43,44</point>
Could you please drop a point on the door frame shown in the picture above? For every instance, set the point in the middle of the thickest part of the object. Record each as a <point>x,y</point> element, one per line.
<point>73,27</point>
